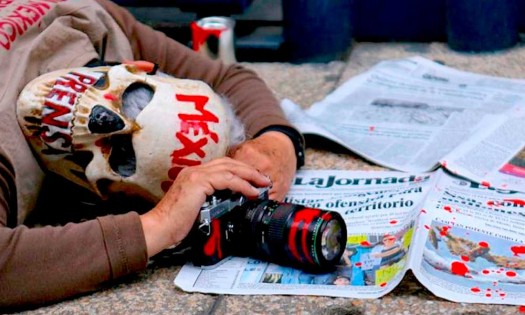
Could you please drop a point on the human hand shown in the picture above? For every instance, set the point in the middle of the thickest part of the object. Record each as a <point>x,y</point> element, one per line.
<point>170,221</point>
<point>273,154</point>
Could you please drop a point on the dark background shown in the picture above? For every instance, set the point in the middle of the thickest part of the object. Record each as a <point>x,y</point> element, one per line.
<point>323,30</point>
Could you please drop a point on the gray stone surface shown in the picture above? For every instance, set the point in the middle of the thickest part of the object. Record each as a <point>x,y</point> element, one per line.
<point>153,292</point>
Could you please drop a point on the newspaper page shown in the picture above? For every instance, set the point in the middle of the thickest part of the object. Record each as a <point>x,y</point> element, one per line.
<point>408,114</point>
<point>379,208</point>
<point>473,243</point>
<point>495,156</point>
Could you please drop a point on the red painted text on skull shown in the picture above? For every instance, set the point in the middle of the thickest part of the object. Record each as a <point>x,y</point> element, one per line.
<point>194,134</point>
<point>24,15</point>
<point>58,107</point>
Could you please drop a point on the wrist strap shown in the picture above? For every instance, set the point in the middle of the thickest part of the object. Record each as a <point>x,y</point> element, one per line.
<point>294,135</point>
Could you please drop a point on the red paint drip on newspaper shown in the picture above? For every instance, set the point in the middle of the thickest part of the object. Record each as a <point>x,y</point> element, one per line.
<point>444,231</point>
<point>516,202</point>
<point>518,250</point>
<point>459,268</point>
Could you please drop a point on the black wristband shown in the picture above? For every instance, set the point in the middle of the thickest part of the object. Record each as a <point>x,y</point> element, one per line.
<point>294,135</point>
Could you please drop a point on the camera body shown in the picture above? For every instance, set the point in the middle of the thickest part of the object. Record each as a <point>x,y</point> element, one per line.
<point>229,224</point>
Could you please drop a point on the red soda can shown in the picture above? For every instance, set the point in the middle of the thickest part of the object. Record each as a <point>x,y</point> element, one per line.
<point>222,29</point>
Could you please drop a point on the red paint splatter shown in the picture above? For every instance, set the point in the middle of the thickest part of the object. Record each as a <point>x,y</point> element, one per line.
<point>488,295</point>
<point>491,203</point>
<point>427,227</point>
<point>444,231</point>
<point>465,258</point>
<point>475,290</point>
<point>521,308</point>
<point>511,274</point>
<point>447,208</point>
<point>393,222</point>
<point>516,202</point>
<point>444,163</point>
<point>358,264</point>
<point>212,248</point>
<point>518,250</point>
<point>485,272</point>
<point>483,244</point>
<point>383,284</point>
<point>104,146</point>
<point>459,268</point>
<point>423,211</point>
<point>502,294</point>
<point>485,183</point>
<point>371,128</point>
<point>111,97</point>
<point>366,243</point>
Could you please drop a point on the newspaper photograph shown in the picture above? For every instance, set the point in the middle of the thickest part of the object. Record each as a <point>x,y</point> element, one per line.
<point>462,240</point>
<point>472,242</point>
<point>409,114</point>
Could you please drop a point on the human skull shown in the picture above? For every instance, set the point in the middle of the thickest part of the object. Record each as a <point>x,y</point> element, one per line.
<point>83,125</point>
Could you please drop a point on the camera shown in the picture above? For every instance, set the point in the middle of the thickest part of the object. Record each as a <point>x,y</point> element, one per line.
<point>229,224</point>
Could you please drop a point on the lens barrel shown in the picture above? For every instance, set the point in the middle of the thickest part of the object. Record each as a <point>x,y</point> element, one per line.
<point>293,234</point>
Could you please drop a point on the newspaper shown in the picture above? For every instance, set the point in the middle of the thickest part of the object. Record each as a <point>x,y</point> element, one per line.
<point>463,241</point>
<point>414,114</point>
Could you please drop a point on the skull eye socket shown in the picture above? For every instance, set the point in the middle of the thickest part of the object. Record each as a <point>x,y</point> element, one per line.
<point>103,82</point>
<point>135,98</point>
<point>122,159</point>
<point>103,120</point>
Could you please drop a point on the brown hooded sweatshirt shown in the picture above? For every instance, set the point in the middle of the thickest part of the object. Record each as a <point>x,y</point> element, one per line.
<point>50,263</point>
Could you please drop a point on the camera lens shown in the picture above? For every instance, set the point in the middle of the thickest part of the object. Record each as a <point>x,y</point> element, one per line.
<point>331,238</point>
<point>294,235</point>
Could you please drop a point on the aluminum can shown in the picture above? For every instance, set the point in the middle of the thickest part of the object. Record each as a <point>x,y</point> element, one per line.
<point>215,28</point>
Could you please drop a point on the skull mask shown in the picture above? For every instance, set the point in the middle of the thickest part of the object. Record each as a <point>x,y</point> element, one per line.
<point>83,125</point>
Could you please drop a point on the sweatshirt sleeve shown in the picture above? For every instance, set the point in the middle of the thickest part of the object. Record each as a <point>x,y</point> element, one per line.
<point>254,102</point>
<point>46,264</point>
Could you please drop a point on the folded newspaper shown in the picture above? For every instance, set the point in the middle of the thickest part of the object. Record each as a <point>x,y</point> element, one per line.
<point>464,241</point>
<point>414,114</point>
